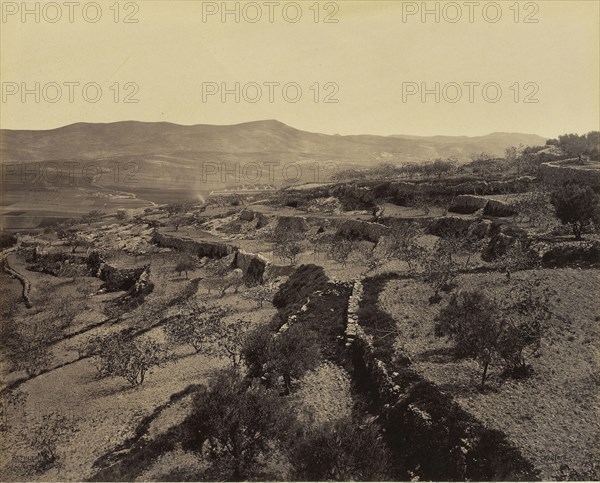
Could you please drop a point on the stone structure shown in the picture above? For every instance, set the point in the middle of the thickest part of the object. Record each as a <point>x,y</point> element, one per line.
<point>560,172</point>
<point>467,204</point>
<point>199,248</point>
<point>430,431</point>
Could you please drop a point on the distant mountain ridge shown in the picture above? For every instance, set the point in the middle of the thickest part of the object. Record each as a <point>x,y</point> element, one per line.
<point>88,141</point>
<point>175,155</point>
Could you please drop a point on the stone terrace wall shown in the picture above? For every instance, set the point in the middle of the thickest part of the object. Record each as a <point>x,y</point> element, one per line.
<point>467,204</point>
<point>425,427</point>
<point>555,173</point>
<point>255,267</point>
<point>201,248</point>
<point>364,230</point>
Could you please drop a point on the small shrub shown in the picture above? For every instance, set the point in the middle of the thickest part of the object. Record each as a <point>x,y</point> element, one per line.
<point>286,355</point>
<point>472,320</point>
<point>186,263</point>
<point>236,424</point>
<point>197,326</point>
<point>342,450</point>
<point>124,357</point>
<point>578,206</point>
<point>44,438</point>
<point>439,270</point>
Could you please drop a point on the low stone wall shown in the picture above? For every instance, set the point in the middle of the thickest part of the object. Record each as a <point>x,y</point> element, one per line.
<point>558,173</point>
<point>134,280</point>
<point>353,305</point>
<point>450,226</point>
<point>256,268</point>
<point>467,204</point>
<point>251,215</point>
<point>499,208</point>
<point>200,248</point>
<point>398,222</point>
<point>364,230</point>
<point>431,434</point>
<point>584,253</point>
<point>291,224</point>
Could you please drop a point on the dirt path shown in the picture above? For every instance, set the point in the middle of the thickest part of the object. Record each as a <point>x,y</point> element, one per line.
<point>21,278</point>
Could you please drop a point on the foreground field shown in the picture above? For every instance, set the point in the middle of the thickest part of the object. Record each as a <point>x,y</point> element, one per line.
<point>551,415</point>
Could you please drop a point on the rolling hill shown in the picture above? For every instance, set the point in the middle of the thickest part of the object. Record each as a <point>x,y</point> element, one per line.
<point>87,141</point>
<point>121,162</point>
<point>171,156</point>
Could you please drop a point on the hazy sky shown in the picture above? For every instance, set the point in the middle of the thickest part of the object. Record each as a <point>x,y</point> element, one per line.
<point>374,61</point>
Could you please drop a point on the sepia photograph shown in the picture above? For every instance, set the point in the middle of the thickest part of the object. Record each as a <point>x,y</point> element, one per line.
<point>311,240</point>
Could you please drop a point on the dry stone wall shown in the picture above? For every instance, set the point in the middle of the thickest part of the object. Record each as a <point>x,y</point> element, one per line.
<point>558,173</point>
<point>201,248</point>
<point>425,427</point>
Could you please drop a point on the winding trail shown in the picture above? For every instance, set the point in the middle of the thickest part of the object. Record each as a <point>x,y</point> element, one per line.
<point>21,278</point>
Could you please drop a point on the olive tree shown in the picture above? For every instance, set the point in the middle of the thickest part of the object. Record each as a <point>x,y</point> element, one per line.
<point>126,357</point>
<point>577,206</point>
<point>236,424</point>
<point>197,325</point>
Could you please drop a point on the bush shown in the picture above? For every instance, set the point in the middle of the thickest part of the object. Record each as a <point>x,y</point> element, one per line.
<point>7,240</point>
<point>29,345</point>
<point>286,355</point>
<point>439,269</point>
<point>93,216</point>
<point>516,257</point>
<point>120,356</point>
<point>197,326</point>
<point>186,263</point>
<point>342,450</point>
<point>44,438</point>
<point>256,351</point>
<point>578,206</point>
<point>484,329</point>
<point>236,424</point>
